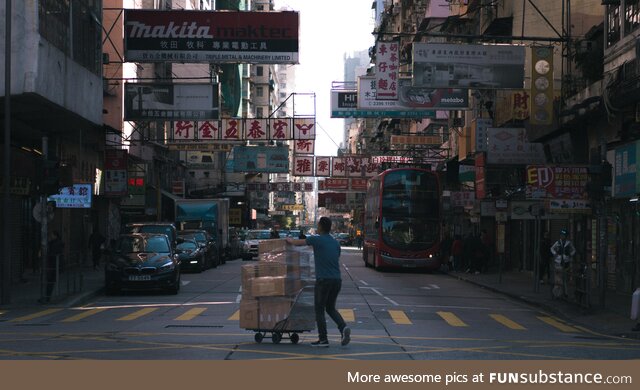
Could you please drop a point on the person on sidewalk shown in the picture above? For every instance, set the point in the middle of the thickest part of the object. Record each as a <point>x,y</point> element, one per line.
<point>563,252</point>
<point>326,252</point>
<point>96,243</point>
<point>545,258</point>
<point>54,262</point>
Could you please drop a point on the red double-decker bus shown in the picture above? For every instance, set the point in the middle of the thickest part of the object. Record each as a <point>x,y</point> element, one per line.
<point>402,216</point>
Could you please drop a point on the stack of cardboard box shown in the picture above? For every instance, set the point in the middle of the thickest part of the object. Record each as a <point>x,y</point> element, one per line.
<point>271,286</point>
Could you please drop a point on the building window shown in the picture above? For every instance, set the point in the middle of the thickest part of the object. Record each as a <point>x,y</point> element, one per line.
<point>259,91</point>
<point>613,25</point>
<point>206,174</point>
<point>260,7</point>
<point>259,71</point>
<point>260,112</point>
<point>631,16</point>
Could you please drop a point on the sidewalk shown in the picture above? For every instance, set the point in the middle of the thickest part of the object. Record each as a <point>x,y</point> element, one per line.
<point>519,286</point>
<point>75,287</point>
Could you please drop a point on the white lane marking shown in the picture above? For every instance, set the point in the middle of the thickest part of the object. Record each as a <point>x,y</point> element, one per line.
<point>363,282</point>
<point>238,298</point>
<point>153,305</point>
<point>240,289</point>
<point>185,282</point>
<point>394,303</point>
<point>431,287</point>
<point>435,286</point>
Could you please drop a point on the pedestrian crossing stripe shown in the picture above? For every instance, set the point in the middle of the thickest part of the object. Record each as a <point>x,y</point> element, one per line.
<point>137,314</point>
<point>83,315</point>
<point>191,314</point>
<point>235,316</point>
<point>348,315</point>
<point>507,322</point>
<point>451,319</point>
<point>399,317</point>
<point>558,325</point>
<point>33,316</point>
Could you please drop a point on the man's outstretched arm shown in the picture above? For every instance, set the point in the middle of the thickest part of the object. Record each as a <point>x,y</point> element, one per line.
<point>300,242</point>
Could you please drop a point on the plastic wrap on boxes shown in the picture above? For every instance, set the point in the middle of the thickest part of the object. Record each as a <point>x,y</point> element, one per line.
<point>277,291</point>
<point>271,246</point>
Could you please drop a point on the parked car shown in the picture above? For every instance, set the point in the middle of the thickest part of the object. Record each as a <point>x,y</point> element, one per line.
<point>235,243</point>
<point>344,239</point>
<point>206,242</point>
<point>155,227</point>
<point>142,261</point>
<point>192,256</point>
<point>250,247</point>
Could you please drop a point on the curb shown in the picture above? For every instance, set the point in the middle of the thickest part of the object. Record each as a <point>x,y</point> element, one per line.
<point>82,298</point>
<point>550,308</point>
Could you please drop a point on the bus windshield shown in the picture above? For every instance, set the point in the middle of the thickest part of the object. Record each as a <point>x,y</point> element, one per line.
<point>410,210</point>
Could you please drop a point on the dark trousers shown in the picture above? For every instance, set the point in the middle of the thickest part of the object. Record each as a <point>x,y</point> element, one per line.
<point>326,294</point>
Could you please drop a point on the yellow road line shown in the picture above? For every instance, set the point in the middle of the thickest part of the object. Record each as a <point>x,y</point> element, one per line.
<point>138,314</point>
<point>84,314</point>
<point>451,319</point>
<point>507,322</point>
<point>348,315</point>
<point>235,316</point>
<point>35,315</point>
<point>558,325</point>
<point>191,314</point>
<point>399,317</point>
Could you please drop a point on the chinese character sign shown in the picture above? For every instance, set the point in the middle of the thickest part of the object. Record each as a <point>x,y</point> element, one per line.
<point>303,165</point>
<point>208,130</point>
<point>280,129</point>
<point>323,166</point>
<point>511,146</point>
<point>559,182</point>
<point>387,65</point>
<point>304,128</point>
<point>339,167</point>
<point>303,146</point>
<point>371,167</point>
<point>184,131</point>
<point>256,129</point>
<point>231,129</point>
<point>354,166</point>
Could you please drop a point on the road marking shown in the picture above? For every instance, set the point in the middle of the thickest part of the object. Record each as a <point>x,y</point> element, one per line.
<point>235,316</point>
<point>83,315</point>
<point>185,282</point>
<point>191,314</point>
<point>394,303</point>
<point>363,282</point>
<point>137,314</point>
<point>451,318</point>
<point>558,325</point>
<point>35,315</point>
<point>399,317</point>
<point>348,315</point>
<point>507,322</point>
<point>431,287</point>
<point>155,305</point>
<point>238,298</point>
<point>240,289</point>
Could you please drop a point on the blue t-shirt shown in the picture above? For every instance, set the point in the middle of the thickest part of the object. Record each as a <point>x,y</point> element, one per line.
<point>326,253</point>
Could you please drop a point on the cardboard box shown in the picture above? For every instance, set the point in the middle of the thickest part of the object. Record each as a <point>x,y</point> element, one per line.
<point>273,310</point>
<point>256,270</point>
<point>276,245</point>
<point>268,286</point>
<point>249,313</point>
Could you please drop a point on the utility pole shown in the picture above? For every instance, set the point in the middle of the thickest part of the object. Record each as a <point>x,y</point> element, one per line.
<point>5,293</point>
<point>44,227</point>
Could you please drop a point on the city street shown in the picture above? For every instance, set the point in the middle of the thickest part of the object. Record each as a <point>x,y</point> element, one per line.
<point>393,315</point>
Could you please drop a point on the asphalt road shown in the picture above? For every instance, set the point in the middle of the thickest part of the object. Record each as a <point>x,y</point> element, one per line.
<point>393,315</point>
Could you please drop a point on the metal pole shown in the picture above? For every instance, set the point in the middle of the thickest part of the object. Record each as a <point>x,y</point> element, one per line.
<point>6,181</point>
<point>44,223</point>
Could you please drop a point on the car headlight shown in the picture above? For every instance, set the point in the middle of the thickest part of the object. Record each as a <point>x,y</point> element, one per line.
<point>167,267</point>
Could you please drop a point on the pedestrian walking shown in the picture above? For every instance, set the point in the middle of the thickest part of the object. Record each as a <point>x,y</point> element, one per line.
<point>326,252</point>
<point>359,239</point>
<point>545,258</point>
<point>96,244</point>
<point>457,251</point>
<point>54,260</point>
<point>563,252</point>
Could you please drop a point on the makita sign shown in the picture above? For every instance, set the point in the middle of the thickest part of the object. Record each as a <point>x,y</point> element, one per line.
<point>211,36</point>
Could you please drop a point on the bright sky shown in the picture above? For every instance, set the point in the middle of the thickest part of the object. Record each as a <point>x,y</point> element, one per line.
<point>328,30</point>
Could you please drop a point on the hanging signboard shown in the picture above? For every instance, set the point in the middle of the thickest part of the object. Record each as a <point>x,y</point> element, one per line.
<point>210,36</point>
<point>280,187</point>
<point>171,101</point>
<point>261,159</point>
<point>413,100</point>
<point>443,65</point>
<point>554,181</point>
<point>77,196</point>
<point>510,146</point>
<point>387,66</point>
<point>626,178</point>
<point>303,165</point>
<point>115,175</point>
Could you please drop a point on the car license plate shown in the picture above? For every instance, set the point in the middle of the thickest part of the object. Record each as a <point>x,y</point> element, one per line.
<point>136,278</point>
